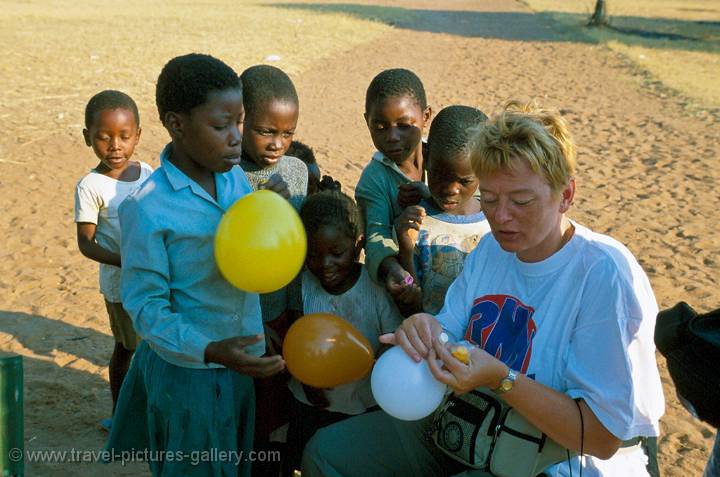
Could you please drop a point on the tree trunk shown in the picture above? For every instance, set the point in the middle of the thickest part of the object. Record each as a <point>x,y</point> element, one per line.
<point>599,17</point>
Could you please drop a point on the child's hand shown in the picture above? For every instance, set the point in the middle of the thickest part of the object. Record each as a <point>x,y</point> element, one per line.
<point>412,193</point>
<point>409,300</point>
<point>276,184</point>
<point>231,353</point>
<point>407,226</point>
<point>316,396</point>
<point>403,289</point>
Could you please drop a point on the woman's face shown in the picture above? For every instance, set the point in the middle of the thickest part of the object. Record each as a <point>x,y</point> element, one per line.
<point>524,214</point>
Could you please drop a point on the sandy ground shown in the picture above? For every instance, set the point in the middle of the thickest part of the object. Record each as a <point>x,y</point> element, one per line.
<point>647,176</point>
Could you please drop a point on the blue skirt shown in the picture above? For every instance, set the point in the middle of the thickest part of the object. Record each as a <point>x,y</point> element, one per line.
<point>183,421</point>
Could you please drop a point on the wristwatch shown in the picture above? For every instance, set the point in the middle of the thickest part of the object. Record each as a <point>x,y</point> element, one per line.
<point>506,383</point>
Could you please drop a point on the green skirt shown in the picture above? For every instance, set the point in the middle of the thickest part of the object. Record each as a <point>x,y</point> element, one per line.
<point>183,421</point>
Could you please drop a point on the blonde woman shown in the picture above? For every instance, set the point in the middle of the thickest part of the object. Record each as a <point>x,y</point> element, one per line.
<point>563,318</point>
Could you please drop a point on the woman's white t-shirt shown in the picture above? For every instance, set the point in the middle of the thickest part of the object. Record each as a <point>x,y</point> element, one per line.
<point>580,322</point>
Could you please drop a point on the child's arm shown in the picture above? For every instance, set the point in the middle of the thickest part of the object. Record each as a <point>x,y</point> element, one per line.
<point>407,226</point>
<point>374,202</point>
<point>90,248</point>
<point>88,203</point>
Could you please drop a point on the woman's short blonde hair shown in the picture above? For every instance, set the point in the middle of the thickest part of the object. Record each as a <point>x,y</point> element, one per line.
<point>522,130</point>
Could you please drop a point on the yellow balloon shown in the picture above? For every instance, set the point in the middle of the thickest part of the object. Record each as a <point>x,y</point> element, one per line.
<point>260,244</point>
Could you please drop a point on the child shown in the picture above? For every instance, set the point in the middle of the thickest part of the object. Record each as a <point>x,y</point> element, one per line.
<point>189,388</point>
<point>334,281</point>
<point>435,236</point>
<point>112,129</point>
<point>396,111</point>
<point>316,181</point>
<point>271,115</point>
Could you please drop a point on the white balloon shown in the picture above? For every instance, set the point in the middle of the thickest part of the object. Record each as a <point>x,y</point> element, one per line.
<point>403,388</point>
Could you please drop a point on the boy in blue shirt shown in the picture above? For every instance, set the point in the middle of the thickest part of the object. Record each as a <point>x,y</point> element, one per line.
<point>189,390</point>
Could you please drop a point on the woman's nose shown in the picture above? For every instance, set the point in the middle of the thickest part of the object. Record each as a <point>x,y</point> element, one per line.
<point>502,212</point>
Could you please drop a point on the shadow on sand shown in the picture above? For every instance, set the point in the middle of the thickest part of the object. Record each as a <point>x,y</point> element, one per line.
<point>528,26</point>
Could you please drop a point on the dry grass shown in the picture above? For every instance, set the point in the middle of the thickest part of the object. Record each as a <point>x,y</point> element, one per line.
<point>63,52</point>
<point>676,41</point>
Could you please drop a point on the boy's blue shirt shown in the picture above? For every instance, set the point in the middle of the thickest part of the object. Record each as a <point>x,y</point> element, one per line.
<point>170,284</point>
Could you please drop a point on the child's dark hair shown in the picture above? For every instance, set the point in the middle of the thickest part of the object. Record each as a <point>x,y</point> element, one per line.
<point>394,83</point>
<point>185,82</point>
<point>110,99</point>
<point>452,129</point>
<point>301,151</point>
<point>265,83</point>
<point>332,208</point>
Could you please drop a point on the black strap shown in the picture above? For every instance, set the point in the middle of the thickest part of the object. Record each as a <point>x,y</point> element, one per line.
<point>582,433</point>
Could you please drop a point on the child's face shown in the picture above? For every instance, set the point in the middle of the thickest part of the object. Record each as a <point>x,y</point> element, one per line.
<point>113,135</point>
<point>396,126</point>
<point>211,134</point>
<point>331,257</point>
<point>269,131</point>
<point>452,182</point>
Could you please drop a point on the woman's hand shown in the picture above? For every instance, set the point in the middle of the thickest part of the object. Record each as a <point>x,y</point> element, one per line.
<point>231,353</point>
<point>415,335</point>
<point>482,369</point>
<point>276,184</point>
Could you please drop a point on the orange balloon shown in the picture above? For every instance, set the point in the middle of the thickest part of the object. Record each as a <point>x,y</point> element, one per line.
<point>324,351</point>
